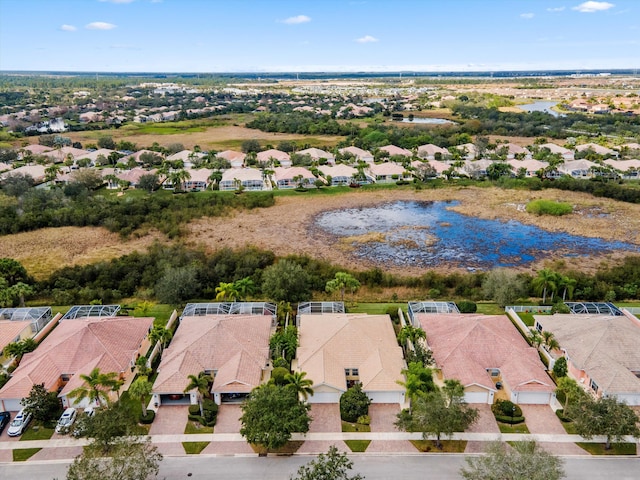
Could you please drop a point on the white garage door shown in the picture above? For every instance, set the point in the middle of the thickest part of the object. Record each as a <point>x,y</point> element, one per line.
<point>533,398</point>
<point>12,405</point>
<point>476,397</point>
<point>325,397</point>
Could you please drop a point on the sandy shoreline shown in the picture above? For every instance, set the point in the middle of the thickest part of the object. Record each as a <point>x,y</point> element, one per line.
<point>288,227</point>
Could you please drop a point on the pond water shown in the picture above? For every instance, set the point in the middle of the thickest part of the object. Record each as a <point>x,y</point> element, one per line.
<point>432,121</point>
<point>540,107</point>
<point>428,234</point>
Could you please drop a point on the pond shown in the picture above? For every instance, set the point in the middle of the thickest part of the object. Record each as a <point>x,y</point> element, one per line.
<point>432,121</point>
<point>540,107</point>
<point>430,234</point>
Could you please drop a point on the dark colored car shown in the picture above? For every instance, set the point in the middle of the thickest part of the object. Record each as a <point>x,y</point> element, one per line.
<point>4,420</point>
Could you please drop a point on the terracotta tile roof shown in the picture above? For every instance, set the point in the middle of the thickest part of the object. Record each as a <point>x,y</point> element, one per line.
<point>272,153</point>
<point>237,346</point>
<point>287,173</point>
<point>605,347</point>
<point>357,152</point>
<point>430,149</point>
<point>316,153</point>
<point>464,346</point>
<point>329,343</point>
<point>387,168</point>
<point>393,150</point>
<point>10,330</point>
<point>110,343</point>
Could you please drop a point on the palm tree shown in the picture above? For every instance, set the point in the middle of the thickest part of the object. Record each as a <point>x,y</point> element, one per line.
<point>568,285</point>
<point>550,340</point>
<point>51,172</point>
<point>244,287</point>
<point>227,291</point>
<point>411,333</point>
<point>178,178</point>
<point>18,349</point>
<point>535,337</point>
<point>301,385</point>
<point>96,385</point>
<point>140,389</point>
<point>199,383</point>
<point>160,334</point>
<point>546,280</point>
<point>341,282</point>
<point>21,290</point>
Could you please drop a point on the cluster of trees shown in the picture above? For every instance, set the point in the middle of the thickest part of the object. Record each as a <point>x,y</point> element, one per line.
<point>15,283</point>
<point>299,122</point>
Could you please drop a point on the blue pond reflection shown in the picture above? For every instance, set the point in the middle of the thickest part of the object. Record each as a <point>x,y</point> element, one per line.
<point>427,233</point>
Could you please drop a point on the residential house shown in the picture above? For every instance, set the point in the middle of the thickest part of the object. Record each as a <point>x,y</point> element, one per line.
<point>275,157</point>
<point>565,153</point>
<point>292,177</point>
<point>37,172</point>
<point>599,149</point>
<point>482,350</point>
<point>129,177</point>
<point>249,178</point>
<point>627,168</point>
<point>601,350</point>
<point>17,324</point>
<point>531,166</point>
<point>477,168</point>
<point>318,155</point>
<point>432,152</point>
<point>577,168</point>
<point>387,172</point>
<point>236,159</point>
<point>337,350</point>
<point>186,156</point>
<point>438,166</point>
<point>77,346</point>
<point>392,150</point>
<point>199,179</point>
<point>232,349</point>
<point>340,174</point>
<point>358,153</point>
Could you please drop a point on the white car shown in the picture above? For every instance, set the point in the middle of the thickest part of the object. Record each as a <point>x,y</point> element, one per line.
<point>66,420</point>
<point>19,423</point>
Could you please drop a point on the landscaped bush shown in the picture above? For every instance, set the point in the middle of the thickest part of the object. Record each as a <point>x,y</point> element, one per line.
<point>549,207</point>
<point>510,420</point>
<point>281,362</point>
<point>563,418</point>
<point>148,418</point>
<point>354,403</point>
<point>506,408</point>
<point>393,313</point>
<point>194,409</point>
<point>209,413</point>
<point>278,374</point>
<point>466,306</point>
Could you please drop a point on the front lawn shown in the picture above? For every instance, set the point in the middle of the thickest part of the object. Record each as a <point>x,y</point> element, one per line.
<point>616,448</point>
<point>448,446</point>
<point>194,448</point>
<point>23,454</point>
<point>517,428</point>
<point>357,446</point>
<point>374,308</point>
<point>35,432</point>
<point>196,427</point>
<point>355,427</point>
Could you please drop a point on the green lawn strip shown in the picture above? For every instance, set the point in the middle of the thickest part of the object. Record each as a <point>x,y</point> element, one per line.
<point>357,446</point>
<point>489,308</point>
<point>616,448</point>
<point>569,427</point>
<point>23,454</point>
<point>447,446</point>
<point>194,448</point>
<point>196,427</point>
<point>374,308</point>
<point>290,448</point>
<point>355,427</point>
<point>35,432</point>
<point>518,428</point>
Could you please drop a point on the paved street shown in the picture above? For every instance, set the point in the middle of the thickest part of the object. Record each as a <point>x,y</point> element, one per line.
<point>373,467</point>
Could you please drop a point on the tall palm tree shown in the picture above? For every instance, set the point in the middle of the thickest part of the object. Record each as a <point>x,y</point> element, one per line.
<point>301,385</point>
<point>568,285</point>
<point>96,385</point>
<point>546,280</point>
<point>409,332</point>
<point>178,178</point>
<point>244,287</point>
<point>227,291</point>
<point>21,290</point>
<point>200,383</point>
<point>160,334</point>
<point>140,389</point>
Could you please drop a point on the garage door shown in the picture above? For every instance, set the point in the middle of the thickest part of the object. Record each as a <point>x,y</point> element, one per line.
<point>12,405</point>
<point>476,397</point>
<point>533,398</point>
<point>325,397</point>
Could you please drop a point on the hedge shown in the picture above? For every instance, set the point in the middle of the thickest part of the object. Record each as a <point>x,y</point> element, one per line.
<point>506,408</point>
<point>560,414</point>
<point>148,418</point>
<point>510,420</point>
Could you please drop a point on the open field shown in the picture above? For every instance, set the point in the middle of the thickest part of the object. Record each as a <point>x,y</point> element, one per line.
<point>219,134</point>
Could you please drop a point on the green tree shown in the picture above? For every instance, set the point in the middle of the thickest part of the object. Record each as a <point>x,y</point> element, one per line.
<point>51,172</point>
<point>42,404</point>
<point>411,333</point>
<point>129,459</point>
<point>341,282</point>
<point>108,425</point>
<point>560,368</point>
<point>572,392</point>
<point>13,271</point>
<point>19,291</point>
<point>330,466</point>
<point>300,384</point>
<point>284,342</point>
<point>244,287</point>
<point>419,380</point>
<point>271,414</point>
<point>201,384</point>
<point>106,142</point>
<point>160,334</point>
<point>95,387</point>
<point>140,389</point>
<point>504,286</point>
<point>148,182</point>
<point>517,461</point>
<point>177,179</point>
<point>226,291</point>
<point>178,285</point>
<point>354,403</point>
<point>546,280</point>
<point>286,281</point>
<point>499,169</point>
<point>438,413</point>
<point>606,416</point>
<point>18,349</point>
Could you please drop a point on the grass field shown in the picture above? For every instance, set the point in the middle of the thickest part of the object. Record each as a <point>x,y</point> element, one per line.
<point>616,448</point>
<point>355,427</point>
<point>35,432</point>
<point>195,427</point>
<point>518,428</point>
<point>194,448</point>
<point>357,446</point>
<point>23,454</point>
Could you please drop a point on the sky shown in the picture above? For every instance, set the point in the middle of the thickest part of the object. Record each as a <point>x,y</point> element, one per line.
<point>318,35</point>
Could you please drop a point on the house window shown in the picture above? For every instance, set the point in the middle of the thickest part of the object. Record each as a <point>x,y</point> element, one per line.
<point>355,372</point>
<point>538,327</point>
<point>347,371</point>
<point>65,377</point>
<point>594,386</point>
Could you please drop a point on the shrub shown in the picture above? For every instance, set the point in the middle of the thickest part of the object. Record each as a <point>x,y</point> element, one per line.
<point>278,374</point>
<point>194,409</point>
<point>148,418</point>
<point>354,403</point>
<point>364,420</point>
<point>510,420</point>
<point>549,207</point>
<point>563,418</point>
<point>560,368</point>
<point>281,362</point>
<point>393,313</point>
<point>466,306</point>
<point>506,408</point>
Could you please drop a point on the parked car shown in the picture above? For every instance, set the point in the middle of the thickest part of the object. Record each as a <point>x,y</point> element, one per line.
<point>4,419</point>
<point>66,420</point>
<point>19,424</point>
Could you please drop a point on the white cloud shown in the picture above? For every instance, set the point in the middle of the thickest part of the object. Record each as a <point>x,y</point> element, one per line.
<point>100,26</point>
<point>68,28</point>
<point>590,7</point>
<point>366,39</point>
<point>527,16</point>
<point>555,9</point>
<point>296,20</point>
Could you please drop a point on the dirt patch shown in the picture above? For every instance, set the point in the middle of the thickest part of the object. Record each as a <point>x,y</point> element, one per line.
<point>288,227</point>
<point>46,250</point>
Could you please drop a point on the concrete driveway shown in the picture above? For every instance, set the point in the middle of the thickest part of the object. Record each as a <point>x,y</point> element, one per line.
<point>170,420</point>
<point>542,419</point>
<point>383,417</point>
<point>326,418</point>
<point>486,423</point>
<point>228,419</point>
